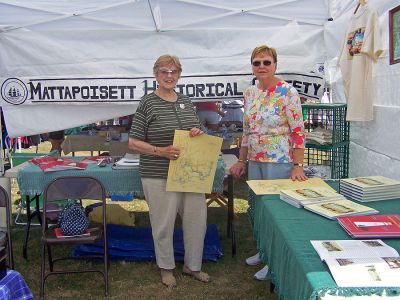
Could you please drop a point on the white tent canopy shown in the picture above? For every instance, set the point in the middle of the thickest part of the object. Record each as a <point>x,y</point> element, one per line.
<point>99,40</point>
<point>93,44</point>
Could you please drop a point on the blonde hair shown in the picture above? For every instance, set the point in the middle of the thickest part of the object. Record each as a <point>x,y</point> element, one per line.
<point>264,49</point>
<point>167,59</point>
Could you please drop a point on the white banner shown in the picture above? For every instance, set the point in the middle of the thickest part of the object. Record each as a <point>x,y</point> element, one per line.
<point>37,105</point>
<point>32,91</point>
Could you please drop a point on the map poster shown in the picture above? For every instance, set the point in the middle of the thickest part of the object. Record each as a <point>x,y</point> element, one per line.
<point>194,170</point>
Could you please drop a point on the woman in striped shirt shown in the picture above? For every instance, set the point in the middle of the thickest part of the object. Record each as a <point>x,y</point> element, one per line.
<point>152,134</point>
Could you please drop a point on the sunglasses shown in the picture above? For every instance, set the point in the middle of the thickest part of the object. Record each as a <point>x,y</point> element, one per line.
<point>257,63</point>
<point>165,72</point>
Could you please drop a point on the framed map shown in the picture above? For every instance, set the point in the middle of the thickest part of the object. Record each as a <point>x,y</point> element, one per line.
<point>394,35</point>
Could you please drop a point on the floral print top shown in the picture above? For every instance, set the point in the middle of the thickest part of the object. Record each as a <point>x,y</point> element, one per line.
<point>273,123</point>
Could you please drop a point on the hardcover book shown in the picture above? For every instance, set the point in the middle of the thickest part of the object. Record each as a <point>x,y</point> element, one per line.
<point>371,188</point>
<point>129,161</point>
<point>376,226</point>
<point>59,234</point>
<point>337,208</point>
<point>364,263</point>
<point>303,196</point>
<point>49,164</point>
<point>371,182</point>
<point>94,159</point>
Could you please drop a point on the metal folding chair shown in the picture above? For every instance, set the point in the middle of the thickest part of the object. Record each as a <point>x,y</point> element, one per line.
<point>5,234</point>
<point>76,187</point>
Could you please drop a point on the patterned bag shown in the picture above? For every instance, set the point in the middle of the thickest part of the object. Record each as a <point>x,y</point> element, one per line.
<point>72,220</point>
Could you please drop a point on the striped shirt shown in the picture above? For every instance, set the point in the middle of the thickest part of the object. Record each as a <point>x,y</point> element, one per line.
<point>154,122</point>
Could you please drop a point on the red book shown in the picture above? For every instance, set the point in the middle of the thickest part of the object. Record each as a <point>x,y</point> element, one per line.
<point>373,226</point>
<point>93,159</point>
<point>48,164</point>
<point>48,160</point>
<point>59,234</point>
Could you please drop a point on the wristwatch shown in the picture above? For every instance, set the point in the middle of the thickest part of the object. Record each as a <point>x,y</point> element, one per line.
<point>299,165</point>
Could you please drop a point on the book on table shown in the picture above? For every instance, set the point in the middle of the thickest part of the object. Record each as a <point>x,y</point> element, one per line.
<point>50,164</point>
<point>94,159</point>
<point>370,188</point>
<point>369,196</point>
<point>129,161</point>
<point>376,226</point>
<point>336,208</point>
<point>360,263</point>
<point>312,195</point>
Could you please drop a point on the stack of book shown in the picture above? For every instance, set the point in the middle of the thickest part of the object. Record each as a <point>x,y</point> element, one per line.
<point>360,263</point>
<point>304,196</point>
<point>324,202</point>
<point>129,161</point>
<point>378,226</point>
<point>371,188</point>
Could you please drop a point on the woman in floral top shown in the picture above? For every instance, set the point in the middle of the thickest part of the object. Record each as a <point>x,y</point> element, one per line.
<point>273,130</point>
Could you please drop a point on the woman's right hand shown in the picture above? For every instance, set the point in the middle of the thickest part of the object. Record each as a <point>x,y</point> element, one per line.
<point>170,152</point>
<point>238,169</point>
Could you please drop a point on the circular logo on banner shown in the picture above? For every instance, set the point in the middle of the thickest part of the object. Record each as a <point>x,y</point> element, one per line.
<point>14,91</point>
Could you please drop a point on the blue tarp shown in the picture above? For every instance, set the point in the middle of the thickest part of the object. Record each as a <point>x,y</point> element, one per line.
<point>136,244</point>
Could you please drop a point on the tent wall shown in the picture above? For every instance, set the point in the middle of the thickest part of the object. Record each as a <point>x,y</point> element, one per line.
<point>374,148</point>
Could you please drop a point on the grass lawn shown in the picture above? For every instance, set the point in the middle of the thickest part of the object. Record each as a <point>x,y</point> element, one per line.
<point>231,278</point>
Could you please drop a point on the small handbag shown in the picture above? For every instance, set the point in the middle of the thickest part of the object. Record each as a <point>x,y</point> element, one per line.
<point>72,220</point>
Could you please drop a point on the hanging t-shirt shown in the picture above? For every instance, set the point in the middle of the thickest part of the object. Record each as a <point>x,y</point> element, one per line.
<point>361,49</point>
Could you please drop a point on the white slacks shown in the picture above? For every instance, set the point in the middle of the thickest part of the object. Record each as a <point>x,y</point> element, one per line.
<point>163,208</point>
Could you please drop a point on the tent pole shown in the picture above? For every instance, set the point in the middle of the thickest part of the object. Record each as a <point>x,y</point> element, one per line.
<point>1,147</point>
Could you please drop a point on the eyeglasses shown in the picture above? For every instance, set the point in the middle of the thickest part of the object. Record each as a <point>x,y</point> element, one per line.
<point>257,63</point>
<point>165,72</point>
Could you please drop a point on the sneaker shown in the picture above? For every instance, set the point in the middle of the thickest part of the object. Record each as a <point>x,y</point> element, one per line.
<point>262,274</point>
<point>254,260</point>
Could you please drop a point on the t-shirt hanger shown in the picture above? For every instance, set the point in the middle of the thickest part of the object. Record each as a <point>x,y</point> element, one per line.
<point>361,2</point>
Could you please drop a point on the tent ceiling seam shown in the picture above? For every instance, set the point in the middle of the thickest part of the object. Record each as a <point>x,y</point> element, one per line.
<point>156,24</point>
<point>232,12</point>
<point>275,3</point>
<point>62,15</point>
<point>116,23</point>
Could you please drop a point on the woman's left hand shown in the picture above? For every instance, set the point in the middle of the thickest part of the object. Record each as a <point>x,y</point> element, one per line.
<point>298,174</point>
<point>195,132</point>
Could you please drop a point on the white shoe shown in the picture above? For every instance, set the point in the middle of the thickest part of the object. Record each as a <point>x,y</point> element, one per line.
<point>254,260</point>
<point>262,274</point>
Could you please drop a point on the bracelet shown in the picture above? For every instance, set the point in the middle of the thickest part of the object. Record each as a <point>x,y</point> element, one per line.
<point>242,160</point>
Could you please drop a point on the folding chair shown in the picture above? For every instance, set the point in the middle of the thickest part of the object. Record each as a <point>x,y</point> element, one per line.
<point>5,234</point>
<point>76,187</point>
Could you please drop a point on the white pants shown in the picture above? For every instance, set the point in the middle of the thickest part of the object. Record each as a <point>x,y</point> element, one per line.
<point>163,208</point>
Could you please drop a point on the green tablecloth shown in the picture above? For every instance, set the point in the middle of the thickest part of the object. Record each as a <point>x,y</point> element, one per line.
<point>283,233</point>
<point>32,180</point>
